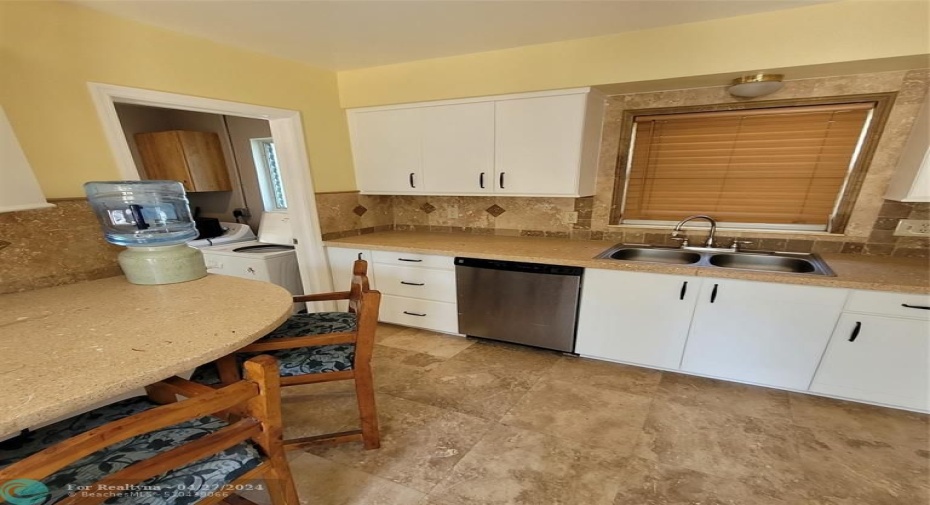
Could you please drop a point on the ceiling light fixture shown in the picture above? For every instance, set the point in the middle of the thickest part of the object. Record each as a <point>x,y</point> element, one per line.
<point>756,85</point>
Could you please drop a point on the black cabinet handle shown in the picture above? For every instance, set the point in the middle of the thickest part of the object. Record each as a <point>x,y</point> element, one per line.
<point>915,306</point>
<point>411,181</point>
<point>413,283</point>
<point>359,256</point>
<point>414,314</point>
<point>713,294</point>
<point>855,332</point>
<point>684,289</point>
<point>410,260</point>
<point>502,180</point>
<point>481,180</point>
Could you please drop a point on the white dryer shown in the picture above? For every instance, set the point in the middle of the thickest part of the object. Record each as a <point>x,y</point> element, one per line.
<point>271,258</point>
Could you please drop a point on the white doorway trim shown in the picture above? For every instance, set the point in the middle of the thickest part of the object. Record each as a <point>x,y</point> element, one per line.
<point>288,133</point>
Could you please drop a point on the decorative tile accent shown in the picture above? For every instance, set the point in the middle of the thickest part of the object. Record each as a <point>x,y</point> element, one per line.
<point>359,210</point>
<point>428,208</point>
<point>495,210</point>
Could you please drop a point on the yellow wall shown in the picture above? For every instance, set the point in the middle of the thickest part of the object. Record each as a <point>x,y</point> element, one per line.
<point>49,51</point>
<point>820,34</point>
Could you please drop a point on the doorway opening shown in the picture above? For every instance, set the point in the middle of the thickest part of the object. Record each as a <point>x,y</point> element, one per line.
<point>293,167</point>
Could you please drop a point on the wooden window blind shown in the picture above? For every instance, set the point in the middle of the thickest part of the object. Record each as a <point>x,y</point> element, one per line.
<point>783,165</point>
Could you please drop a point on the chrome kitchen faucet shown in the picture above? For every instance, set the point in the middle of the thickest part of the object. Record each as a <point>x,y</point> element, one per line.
<point>676,233</point>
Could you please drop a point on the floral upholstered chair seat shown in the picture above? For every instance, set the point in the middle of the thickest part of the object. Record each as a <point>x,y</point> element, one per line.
<point>184,485</point>
<point>301,360</point>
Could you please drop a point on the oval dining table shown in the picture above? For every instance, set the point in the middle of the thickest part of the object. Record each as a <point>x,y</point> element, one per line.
<point>69,348</point>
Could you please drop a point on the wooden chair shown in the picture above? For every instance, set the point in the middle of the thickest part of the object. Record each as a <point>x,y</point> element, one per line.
<point>322,347</point>
<point>199,449</point>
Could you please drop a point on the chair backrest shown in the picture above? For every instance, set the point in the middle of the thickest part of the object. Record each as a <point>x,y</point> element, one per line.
<point>359,284</point>
<point>365,303</point>
<point>251,406</point>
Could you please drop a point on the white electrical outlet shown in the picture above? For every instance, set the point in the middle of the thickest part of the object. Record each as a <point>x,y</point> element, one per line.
<point>912,228</point>
<point>452,212</point>
<point>571,217</point>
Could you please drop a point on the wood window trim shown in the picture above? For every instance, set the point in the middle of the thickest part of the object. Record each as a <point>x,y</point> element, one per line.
<point>882,109</point>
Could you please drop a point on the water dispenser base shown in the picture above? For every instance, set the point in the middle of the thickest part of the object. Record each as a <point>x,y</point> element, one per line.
<point>162,265</point>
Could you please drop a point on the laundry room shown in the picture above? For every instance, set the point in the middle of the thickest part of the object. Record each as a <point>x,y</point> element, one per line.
<point>229,169</point>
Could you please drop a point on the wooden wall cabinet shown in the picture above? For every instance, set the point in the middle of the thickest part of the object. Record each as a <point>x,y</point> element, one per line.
<point>193,158</point>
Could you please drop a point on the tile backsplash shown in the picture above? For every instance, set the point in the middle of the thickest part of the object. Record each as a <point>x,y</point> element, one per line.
<point>53,246</point>
<point>548,217</point>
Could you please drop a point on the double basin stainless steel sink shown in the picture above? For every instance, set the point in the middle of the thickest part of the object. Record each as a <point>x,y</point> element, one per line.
<point>766,261</point>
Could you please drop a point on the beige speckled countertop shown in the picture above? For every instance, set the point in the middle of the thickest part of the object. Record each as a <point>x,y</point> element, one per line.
<point>904,275</point>
<point>66,348</point>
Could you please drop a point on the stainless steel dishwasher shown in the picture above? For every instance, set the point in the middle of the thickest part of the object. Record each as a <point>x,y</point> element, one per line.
<point>524,303</point>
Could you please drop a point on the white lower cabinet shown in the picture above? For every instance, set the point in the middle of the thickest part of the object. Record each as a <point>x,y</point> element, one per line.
<point>762,333</point>
<point>635,317</point>
<point>417,290</point>
<point>879,358</point>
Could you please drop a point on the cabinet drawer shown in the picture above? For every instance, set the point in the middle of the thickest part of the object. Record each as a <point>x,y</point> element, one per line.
<point>438,316</point>
<point>413,259</point>
<point>414,282</point>
<point>889,304</point>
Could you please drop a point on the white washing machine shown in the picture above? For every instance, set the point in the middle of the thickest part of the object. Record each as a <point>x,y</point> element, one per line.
<point>271,258</point>
<point>232,232</point>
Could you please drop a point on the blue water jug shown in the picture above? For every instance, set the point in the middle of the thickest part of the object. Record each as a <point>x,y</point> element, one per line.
<point>142,213</point>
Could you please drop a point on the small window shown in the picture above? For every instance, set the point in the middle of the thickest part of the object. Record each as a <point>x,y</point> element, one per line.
<point>771,168</point>
<point>269,175</point>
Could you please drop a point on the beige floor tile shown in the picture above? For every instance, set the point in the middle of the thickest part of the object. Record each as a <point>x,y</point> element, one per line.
<point>514,466</point>
<point>419,443</point>
<point>604,374</point>
<point>486,391</point>
<point>649,483</point>
<point>386,330</point>
<point>863,422</point>
<point>427,342</point>
<point>720,443</point>
<point>316,409</point>
<point>584,414</point>
<point>516,357</point>
<point>718,395</point>
<point>393,368</point>
<point>839,468</point>
<point>320,481</point>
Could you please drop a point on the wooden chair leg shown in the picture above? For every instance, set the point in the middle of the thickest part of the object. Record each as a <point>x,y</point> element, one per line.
<point>368,413</point>
<point>228,369</point>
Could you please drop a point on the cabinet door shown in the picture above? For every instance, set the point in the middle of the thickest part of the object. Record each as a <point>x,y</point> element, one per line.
<point>163,157</point>
<point>340,268</point>
<point>386,146</point>
<point>878,359</point>
<point>770,334</point>
<point>205,161</point>
<point>538,145</point>
<point>458,148</point>
<point>635,317</point>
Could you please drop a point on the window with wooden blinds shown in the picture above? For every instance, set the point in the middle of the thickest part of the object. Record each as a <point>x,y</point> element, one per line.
<point>777,166</point>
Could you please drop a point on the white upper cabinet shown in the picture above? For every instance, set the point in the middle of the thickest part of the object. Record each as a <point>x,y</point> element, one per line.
<point>386,145</point>
<point>532,144</point>
<point>538,148</point>
<point>458,148</point>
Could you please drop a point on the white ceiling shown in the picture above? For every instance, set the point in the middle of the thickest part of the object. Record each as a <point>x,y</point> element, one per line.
<point>346,34</point>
